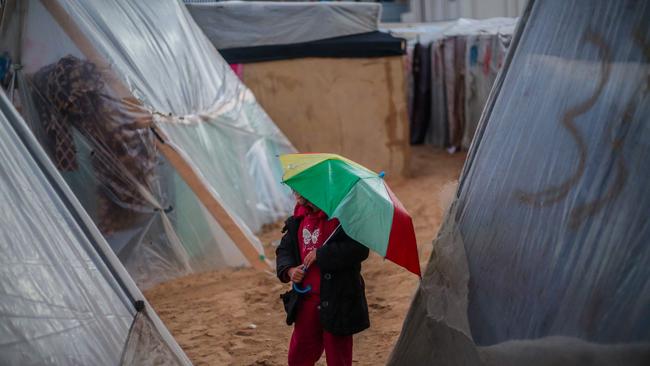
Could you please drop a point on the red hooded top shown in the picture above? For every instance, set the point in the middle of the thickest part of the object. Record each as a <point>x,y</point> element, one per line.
<point>314,229</point>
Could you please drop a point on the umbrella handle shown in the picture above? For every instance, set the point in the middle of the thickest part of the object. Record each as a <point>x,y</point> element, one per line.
<point>301,290</point>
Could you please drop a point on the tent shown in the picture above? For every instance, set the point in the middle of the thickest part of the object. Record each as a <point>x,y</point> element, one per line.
<point>65,299</point>
<point>323,71</point>
<point>543,257</point>
<point>163,145</point>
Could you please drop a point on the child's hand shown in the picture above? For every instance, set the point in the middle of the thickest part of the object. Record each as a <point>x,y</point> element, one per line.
<point>296,274</point>
<point>310,258</point>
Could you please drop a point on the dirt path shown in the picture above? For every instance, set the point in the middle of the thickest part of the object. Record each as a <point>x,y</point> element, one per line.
<point>234,317</point>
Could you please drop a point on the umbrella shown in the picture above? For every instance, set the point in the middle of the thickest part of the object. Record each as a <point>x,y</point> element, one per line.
<point>359,198</point>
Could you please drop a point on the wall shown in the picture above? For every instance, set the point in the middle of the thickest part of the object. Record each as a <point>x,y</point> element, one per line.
<point>354,107</point>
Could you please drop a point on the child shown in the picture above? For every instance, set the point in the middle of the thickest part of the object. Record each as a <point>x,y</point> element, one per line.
<point>335,308</point>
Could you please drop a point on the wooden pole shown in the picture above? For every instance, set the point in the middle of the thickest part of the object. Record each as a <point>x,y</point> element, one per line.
<point>184,169</point>
<point>182,166</point>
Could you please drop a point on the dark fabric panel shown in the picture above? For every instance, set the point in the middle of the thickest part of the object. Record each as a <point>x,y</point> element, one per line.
<point>421,109</point>
<point>372,44</point>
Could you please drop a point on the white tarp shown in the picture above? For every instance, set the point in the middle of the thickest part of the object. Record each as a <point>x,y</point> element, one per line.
<point>232,24</point>
<point>430,32</point>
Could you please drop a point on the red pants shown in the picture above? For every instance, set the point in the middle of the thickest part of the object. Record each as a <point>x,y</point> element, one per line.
<point>309,339</point>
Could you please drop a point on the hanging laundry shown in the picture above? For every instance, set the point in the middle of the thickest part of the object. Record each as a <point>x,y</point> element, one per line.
<point>438,132</point>
<point>463,62</point>
<point>454,53</point>
<point>421,109</point>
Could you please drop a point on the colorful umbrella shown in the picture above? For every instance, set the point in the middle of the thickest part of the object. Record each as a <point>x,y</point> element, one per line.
<point>359,198</point>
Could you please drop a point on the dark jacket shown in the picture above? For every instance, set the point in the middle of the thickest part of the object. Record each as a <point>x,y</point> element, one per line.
<point>343,307</point>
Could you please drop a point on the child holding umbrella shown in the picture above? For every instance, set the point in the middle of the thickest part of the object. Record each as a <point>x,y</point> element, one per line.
<point>336,193</point>
<point>335,307</point>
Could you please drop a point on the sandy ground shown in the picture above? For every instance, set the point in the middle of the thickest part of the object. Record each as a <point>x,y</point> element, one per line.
<point>235,317</point>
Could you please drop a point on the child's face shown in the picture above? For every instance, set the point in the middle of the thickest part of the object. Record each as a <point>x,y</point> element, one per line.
<point>302,201</point>
<point>299,199</point>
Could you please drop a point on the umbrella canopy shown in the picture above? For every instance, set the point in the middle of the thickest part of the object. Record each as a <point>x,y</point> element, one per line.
<point>359,198</point>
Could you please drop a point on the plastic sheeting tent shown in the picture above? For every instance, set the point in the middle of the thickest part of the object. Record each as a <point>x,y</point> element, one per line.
<point>543,258</point>
<point>64,297</point>
<point>166,149</point>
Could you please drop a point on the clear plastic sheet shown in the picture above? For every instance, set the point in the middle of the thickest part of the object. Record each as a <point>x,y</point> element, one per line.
<point>145,346</point>
<point>249,146</point>
<point>418,32</point>
<point>431,32</point>
<point>232,24</point>
<point>566,219</point>
<point>98,77</point>
<point>552,207</point>
<point>55,295</point>
<point>465,27</point>
<point>61,301</point>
